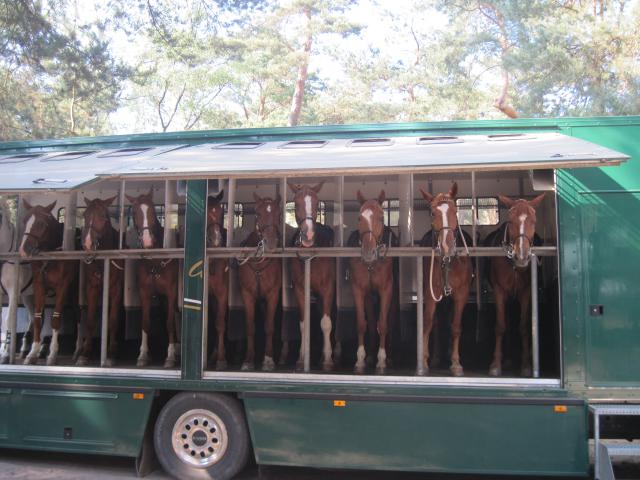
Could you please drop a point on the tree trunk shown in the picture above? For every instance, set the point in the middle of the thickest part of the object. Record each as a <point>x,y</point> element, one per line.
<point>303,71</point>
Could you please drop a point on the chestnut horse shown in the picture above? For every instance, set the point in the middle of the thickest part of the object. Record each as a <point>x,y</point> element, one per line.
<point>155,276</point>
<point>218,272</point>
<point>42,233</point>
<point>453,276</point>
<point>261,277</point>
<point>99,234</point>
<point>510,276</point>
<point>372,273</point>
<point>323,270</point>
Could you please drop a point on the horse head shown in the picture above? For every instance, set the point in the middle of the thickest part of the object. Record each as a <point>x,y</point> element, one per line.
<point>371,227</point>
<point>96,223</point>
<point>39,229</point>
<point>268,220</point>
<point>444,219</point>
<point>215,220</point>
<point>521,228</point>
<point>306,205</point>
<point>145,219</point>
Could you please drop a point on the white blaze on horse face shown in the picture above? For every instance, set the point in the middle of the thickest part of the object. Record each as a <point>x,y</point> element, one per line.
<point>268,208</point>
<point>444,208</point>
<point>147,241</point>
<point>307,214</point>
<point>522,219</point>
<point>87,239</point>
<point>368,216</point>
<point>27,231</point>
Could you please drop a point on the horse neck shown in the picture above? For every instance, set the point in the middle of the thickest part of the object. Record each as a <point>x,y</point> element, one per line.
<point>109,238</point>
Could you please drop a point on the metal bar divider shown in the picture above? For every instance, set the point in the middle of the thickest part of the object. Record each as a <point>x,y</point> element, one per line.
<point>307,315</point>
<point>13,311</point>
<point>534,316</point>
<point>105,313</point>
<point>419,315</point>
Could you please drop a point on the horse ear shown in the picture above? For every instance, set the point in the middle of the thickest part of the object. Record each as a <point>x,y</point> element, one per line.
<point>536,201</point>
<point>278,199</point>
<point>150,193</point>
<point>506,201</point>
<point>108,201</point>
<point>318,187</point>
<point>219,196</point>
<point>26,204</point>
<point>294,187</point>
<point>453,191</point>
<point>382,197</point>
<point>87,201</point>
<point>361,198</point>
<point>49,207</point>
<point>256,197</point>
<point>426,195</point>
<point>130,198</point>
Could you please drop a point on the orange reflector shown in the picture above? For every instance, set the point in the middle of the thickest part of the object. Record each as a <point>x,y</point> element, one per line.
<point>560,408</point>
<point>138,396</point>
<point>339,403</point>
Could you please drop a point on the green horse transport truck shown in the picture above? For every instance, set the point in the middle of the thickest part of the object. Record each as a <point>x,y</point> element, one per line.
<point>568,368</point>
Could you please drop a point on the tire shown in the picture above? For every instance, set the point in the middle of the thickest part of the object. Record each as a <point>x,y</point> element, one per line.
<point>214,432</point>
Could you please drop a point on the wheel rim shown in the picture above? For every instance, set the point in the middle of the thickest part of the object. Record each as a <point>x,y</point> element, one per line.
<point>200,438</point>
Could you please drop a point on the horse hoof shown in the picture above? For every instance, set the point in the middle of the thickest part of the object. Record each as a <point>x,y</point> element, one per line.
<point>495,371</point>
<point>457,371</point>
<point>268,365</point>
<point>327,366</point>
<point>169,363</point>
<point>82,361</point>
<point>247,367</point>
<point>30,360</point>
<point>142,362</point>
<point>425,371</point>
<point>4,359</point>
<point>75,357</point>
<point>109,362</point>
<point>221,365</point>
<point>525,372</point>
<point>381,370</point>
<point>358,369</point>
<point>51,361</point>
<point>299,366</point>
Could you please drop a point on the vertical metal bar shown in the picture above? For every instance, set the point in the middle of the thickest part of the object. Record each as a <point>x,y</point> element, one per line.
<point>419,314</point>
<point>596,441</point>
<point>121,224</point>
<point>205,309</point>
<point>534,316</point>
<point>69,232</point>
<point>104,333</point>
<point>166,240</point>
<point>474,212</point>
<point>307,315</point>
<point>13,312</point>
<point>231,211</point>
<point>474,224</point>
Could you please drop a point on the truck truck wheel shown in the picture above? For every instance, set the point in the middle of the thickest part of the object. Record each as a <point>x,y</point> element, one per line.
<point>202,435</point>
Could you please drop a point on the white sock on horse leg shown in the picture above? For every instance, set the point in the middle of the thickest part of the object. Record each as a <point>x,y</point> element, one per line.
<point>382,358</point>
<point>171,351</point>
<point>325,325</point>
<point>144,346</point>
<point>361,354</point>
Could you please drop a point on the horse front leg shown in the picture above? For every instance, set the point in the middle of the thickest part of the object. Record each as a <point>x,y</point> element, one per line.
<point>145,304</point>
<point>28,302</point>
<point>385,304</point>
<point>221,313</point>
<point>459,302</point>
<point>170,361</point>
<point>115,302</point>
<point>359,300</point>
<point>427,324</point>
<point>268,365</point>
<point>39,297</point>
<point>298,290</point>
<point>325,325</point>
<point>93,293</point>
<point>249,301</point>
<point>524,297</point>
<point>495,370</point>
<point>56,320</point>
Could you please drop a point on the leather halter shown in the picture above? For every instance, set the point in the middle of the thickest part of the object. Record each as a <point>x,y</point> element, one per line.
<point>38,239</point>
<point>381,248</point>
<point>298,241</point>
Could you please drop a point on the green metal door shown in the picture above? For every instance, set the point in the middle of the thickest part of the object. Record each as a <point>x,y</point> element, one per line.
<point>611,275</point>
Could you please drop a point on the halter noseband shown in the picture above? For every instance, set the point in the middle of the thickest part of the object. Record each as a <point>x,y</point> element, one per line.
<point>508,243</point>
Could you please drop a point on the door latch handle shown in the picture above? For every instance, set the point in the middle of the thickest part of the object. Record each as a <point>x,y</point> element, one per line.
<point>596,310</point>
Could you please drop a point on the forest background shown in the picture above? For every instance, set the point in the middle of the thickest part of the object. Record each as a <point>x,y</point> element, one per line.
<point>82,67</point>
